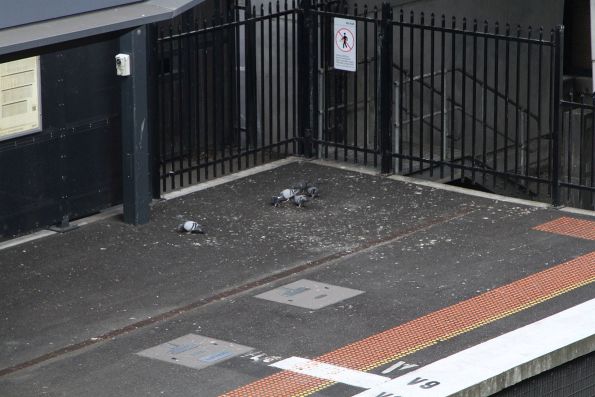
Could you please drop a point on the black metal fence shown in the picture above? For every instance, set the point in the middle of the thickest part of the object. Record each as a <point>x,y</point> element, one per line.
<point>226,93</point>
<point>456,101</point>
<point>577,151</point>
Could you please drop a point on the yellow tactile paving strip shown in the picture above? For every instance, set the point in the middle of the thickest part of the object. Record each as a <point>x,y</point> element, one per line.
<point>425,331</point>
<point>570,227</point>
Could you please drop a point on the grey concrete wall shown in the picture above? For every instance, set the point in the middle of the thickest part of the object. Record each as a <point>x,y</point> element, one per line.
<point>27,11</point>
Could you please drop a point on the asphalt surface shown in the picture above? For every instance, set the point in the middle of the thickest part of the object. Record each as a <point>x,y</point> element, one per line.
<point>77,307</point>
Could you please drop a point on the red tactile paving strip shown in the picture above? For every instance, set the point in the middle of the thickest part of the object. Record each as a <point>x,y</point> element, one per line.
<point>570,227</point>
<point>425,331</point>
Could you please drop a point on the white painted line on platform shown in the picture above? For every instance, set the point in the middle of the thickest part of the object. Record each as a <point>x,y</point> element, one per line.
<point>26,239</point>
<point>330,372</point>
<point>495,364</point>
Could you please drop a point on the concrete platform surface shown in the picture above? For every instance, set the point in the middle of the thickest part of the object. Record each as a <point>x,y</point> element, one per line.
<point>375,279</point>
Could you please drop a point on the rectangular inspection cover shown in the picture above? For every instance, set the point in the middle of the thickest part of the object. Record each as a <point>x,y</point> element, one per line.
<point>309,294</point>
<point>195,351</point>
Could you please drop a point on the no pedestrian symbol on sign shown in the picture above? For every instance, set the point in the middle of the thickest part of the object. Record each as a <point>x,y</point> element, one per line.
<point>345,56</point>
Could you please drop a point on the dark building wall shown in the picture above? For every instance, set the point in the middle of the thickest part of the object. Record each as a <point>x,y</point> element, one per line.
<point>73,166</point>
<point>535,13</point>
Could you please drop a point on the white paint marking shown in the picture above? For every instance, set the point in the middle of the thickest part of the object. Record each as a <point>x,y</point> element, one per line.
<point>331,372</point>
<point>401,366</point>
<point>498,361</point>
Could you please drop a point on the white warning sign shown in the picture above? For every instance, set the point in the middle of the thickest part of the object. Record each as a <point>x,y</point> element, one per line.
<point>345,44</point>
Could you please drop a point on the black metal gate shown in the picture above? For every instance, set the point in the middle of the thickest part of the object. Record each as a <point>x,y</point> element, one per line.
<point>457,101</point>
<point>227,93</point>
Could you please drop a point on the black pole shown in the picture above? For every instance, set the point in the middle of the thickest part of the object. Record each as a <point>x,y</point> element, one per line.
<point>557,120</point>
<point>135,128</point>
<point>307,69</point>
<point>386,89</point>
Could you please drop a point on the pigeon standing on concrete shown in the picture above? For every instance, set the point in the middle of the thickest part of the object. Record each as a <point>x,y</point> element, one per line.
<point>312,191</point>
<point>301,186</point>
<point>190,227</point>
<point>300,199</point>
<point>285,195</point>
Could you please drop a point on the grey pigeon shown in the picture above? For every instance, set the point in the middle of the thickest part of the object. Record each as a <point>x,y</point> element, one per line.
<point>288,193</point>
<point>312,191</point>
<point>190,227</point>
<point>301,186</point>
<point>285,195</point>
<point>300,200</point>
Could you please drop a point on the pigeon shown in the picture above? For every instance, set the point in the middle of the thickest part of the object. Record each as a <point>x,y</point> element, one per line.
<point>285,195</point>
<point>190,227</point>
<point>299,199</point>
<point>312,191</point>
<point>289,193</point>
<point>301,186</point>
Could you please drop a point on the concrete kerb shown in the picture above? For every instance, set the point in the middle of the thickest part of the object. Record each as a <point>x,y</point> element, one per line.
<point>117,210</point>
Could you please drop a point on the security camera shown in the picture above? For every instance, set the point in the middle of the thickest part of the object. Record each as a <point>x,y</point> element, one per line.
<point>123,65</point>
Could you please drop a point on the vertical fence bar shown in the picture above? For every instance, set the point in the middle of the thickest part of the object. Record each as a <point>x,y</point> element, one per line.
<point>518,102</point>
<point>250,79</point>
<point>278,61</point>
<point>386,91</point>
<point>286,78</point>
<point>421,90</point>
<point>235,76</point>
<point>506,102</point>
<point>580,140</point>
<point>528,127</point>
<point>411,92</point>
<point>453,94</point>
<point>199,87</point>
<point>189,86</point>
<point>443,120</point>
<point>495,131</point>
<point>539,110</point>
<point>271,79</point>
<point>262,88</point>
<point>569,142</point>
<point>366,89</point>
<point>179,107</point>
<point>559,54</point>
<point>376,88</point>
<point>325,62</point>
<point>205,96</point>
<point>401,89</point>
<point>474,99</point>
<point>355,104</point>
<point>227,114</point>
<point>193,98</point>
<point>294,76</point>
<point>463,98</point>
<point>484,118</point>
<point>432,88</point>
